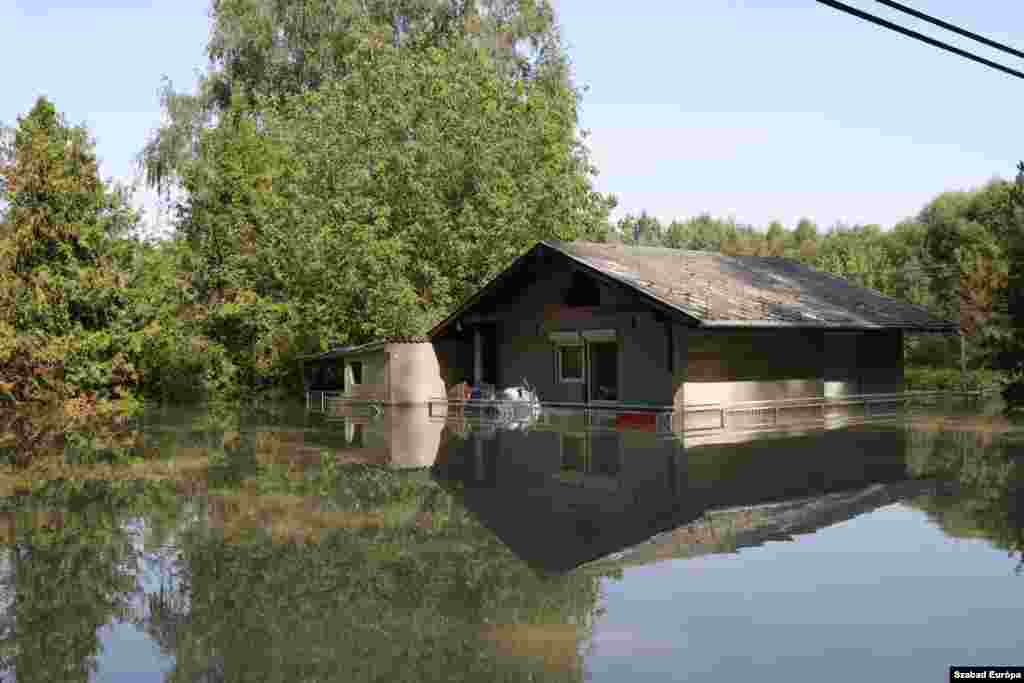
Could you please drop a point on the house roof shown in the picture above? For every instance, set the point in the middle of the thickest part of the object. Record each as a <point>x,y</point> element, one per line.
<point>712,290</point>
<point>362,348</point>
<point>730,530</point>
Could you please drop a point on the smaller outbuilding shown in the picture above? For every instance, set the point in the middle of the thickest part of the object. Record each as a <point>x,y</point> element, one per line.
<point>393,371</point>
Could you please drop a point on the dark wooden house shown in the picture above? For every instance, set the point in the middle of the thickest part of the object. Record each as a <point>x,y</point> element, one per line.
<point>597,323</point>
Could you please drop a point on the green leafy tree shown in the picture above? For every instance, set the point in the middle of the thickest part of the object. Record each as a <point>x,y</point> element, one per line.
<point>1010,357</point>
<point>280,48</point>
<point>65,255</point>
<point>377,202</point>
<point>645,230</point>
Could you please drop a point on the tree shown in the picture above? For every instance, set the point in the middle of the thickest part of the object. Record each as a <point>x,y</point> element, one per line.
<point>280,48</point>
<point>1010,357</point>
<point>64,258</point>
<point>375,203</point>
<point>641,230</point>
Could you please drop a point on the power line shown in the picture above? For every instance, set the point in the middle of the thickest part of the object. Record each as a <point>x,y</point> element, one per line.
<point>842,7</point>
<point>951,27</point>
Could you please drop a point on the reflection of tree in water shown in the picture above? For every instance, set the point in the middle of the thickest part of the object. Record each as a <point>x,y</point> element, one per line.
<point>70,567</point>
<point>425,594</point>
<point>988,465</point>
<point>280,572</point>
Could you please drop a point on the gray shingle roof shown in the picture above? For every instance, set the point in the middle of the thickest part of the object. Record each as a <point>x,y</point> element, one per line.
<point>751,291</point>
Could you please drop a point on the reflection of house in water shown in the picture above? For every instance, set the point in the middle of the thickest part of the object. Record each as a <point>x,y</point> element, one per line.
<point>562,498</point>
<point>401,437</point>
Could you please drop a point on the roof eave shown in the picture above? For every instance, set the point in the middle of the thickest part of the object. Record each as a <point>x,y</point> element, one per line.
<point>809,324</point>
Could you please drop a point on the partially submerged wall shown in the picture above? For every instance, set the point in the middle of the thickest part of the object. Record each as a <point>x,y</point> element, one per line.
<point>730,366</point>
<point>735,366</point>
<point>414,373</point>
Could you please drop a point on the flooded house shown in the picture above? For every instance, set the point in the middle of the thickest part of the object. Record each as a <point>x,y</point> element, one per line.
<point>610,324</point>
<point>595,323</point>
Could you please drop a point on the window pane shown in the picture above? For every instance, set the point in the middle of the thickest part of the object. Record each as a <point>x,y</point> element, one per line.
<point>357,372</point>
<point>572,362</point>
<point>574,453</point>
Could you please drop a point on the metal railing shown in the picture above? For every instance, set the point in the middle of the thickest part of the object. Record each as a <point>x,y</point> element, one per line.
<point>321,401</point>
<point>806,411</point>
<point>482,408</point>
<point>708,417</point>
<point>667,419</point>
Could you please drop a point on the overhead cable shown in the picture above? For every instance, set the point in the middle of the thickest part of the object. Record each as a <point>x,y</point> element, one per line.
<point>899,7</point>
<point>885,23</point>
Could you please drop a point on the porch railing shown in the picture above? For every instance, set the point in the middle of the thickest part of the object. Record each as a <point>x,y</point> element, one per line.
<point>708,417</point>
<point>321,401</point>
<point>667,419</point>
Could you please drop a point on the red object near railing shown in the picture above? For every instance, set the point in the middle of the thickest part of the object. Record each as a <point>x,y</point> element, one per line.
<point>647,422</point>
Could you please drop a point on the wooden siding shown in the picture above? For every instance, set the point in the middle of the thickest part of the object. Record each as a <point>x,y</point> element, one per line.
<point>524,350</point>
<point>748,355</point>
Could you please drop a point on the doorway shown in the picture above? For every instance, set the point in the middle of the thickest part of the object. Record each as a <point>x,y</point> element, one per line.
<point>603,371</point>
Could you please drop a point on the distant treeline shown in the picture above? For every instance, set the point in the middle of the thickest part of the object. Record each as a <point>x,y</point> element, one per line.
<point>954,258</point>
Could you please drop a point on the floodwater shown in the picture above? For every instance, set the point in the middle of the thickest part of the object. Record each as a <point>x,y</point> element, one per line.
<point>269,544</point>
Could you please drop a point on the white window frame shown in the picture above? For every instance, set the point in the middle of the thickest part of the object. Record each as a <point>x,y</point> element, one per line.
<point>350,380</point>
<point>559,347</point>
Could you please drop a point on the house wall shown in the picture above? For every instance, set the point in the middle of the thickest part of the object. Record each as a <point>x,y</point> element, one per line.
<point>731,366</point>
<point>880,358</point>
<point>414,374</point>
<point>374,385</point>
<point>524,349</point>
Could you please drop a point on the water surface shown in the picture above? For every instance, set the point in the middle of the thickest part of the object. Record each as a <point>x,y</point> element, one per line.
<point>269,544</point>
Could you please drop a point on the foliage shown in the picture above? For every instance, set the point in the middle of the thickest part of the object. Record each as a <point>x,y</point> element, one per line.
<point>1010,356</point>
<point>929,378</point>
<point>277,49</point>
<point>368,207</point>
<point>986,466</point>
<point>91,318</point>
<point>953,258</point>
<point>71,567</point>
<point>65,259</point>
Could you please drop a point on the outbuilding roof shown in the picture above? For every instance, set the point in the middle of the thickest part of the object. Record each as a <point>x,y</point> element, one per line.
<point>362,348</point>
<point>749,291</point>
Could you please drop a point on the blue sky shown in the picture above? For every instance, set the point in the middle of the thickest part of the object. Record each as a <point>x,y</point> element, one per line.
<point>759,109</point>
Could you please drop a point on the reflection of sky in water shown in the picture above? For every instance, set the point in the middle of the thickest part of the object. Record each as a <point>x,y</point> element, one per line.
<point>884,596</point>
<point>129,656</point>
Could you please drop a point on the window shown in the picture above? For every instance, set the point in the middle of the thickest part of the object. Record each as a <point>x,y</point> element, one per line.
<point>591,461</point>
<point>355,372</point>
<point>574,453</point>
<point>570,363</point>
<point>582,292</point>
<point>354,434</point>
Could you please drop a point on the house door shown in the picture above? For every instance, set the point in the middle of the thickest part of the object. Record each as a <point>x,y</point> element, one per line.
<point>603,371</point>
